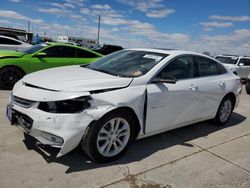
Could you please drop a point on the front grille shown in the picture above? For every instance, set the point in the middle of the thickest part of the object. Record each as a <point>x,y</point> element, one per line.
<point>22,102</point>
<point>25,121</point>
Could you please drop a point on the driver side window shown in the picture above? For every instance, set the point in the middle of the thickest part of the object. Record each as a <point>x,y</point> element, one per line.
<point>180,68</point>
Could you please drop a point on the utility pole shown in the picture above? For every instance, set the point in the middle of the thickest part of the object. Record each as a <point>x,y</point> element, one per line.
<point>98,32</point>
<point>28,26</point>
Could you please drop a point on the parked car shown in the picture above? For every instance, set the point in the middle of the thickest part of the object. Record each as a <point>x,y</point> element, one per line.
<point>238,64</point>
<point>108,49</point>
<point>248,84</point>
<point>9,43</point>
<point>14,65</point>
<point>124,96</point>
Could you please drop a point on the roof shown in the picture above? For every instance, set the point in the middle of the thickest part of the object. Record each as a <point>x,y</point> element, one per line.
<point>167,51</point>
<point>227,55</point>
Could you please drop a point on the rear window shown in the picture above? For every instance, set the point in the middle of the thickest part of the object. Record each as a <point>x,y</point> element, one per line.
<point>85,54</point>
<point>227,60</point>
<point>208,67</point>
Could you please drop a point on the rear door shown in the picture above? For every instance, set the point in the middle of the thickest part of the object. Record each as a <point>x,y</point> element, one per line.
<point>211,86</point>
<point>244,69</point>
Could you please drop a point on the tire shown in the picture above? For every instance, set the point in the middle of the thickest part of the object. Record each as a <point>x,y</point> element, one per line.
<point>102,144</point>
<point>248,87</point>
<point>9,76</point>
<point>224,111</point>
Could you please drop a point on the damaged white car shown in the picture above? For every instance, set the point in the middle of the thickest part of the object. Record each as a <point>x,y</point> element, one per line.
<point>127,95</point>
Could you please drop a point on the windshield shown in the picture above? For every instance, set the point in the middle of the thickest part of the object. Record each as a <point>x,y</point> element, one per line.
<point>227,60</point>
<point>127,63</point>
<point>34,49</point>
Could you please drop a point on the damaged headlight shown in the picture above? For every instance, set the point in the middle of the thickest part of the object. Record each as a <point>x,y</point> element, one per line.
<point>66,106</point>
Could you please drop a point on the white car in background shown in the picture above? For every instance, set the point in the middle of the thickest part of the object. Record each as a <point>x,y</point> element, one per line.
<point>9,43</point>
<point>127,95</point>
<point>237,64</point>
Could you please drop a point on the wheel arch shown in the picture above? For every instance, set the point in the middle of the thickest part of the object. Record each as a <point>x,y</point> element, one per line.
<point>134,116</point>
<point>13,66</point>
<point>232,95</point>
<point>123,109</point>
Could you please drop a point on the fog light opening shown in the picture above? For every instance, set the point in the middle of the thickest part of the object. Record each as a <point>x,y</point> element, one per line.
<point>52,138</point>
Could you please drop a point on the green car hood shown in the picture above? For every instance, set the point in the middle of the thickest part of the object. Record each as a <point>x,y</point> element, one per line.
<point>10,54</point>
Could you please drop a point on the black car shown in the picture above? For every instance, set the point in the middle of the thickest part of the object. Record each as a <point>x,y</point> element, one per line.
<point>108,49</point>
<point>248,85</point>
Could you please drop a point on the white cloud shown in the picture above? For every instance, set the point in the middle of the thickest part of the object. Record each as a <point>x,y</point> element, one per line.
<point>84,10</point>
<point>69,5</point>
<point>55,11</point>
<point>159,13</point>
<point>37,21</point>
<point>232,43</point>
<point>15,1</point>
<point>108,15</point>
<point>113,21</point>
<point>152,8</point>
<point>76,16</point>
<point>230,18</point>
<point>58,5</point>
<point>102,7</point>
<point>62,5</point>
<point>5,22</point>
<point>216,24</point>
<point>115,29</point>
<point>12,14</point>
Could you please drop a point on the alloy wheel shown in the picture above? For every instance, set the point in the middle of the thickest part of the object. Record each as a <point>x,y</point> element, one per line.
<point>113,137</point>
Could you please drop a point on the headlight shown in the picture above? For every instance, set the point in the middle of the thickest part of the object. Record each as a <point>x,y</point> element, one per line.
<point>66,106</point>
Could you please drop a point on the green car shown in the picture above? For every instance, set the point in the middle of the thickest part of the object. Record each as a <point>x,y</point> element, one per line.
<point>14,65</point>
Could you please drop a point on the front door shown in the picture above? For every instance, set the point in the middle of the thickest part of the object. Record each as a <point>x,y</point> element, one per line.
<point>172,104</point>
<point>56,56</point>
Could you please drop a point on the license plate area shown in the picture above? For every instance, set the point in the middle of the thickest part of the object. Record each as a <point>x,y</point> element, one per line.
<point>17,118</point>
<point>10,115</point>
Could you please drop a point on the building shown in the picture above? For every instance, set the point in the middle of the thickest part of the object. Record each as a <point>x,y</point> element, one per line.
<point>17,33</point>
<point>90,43</point>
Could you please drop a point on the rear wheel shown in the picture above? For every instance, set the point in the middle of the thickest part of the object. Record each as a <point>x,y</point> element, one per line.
<point>9,76</point>
<point>248,86</point>
<point>224,112</point>
<point>109,138</point>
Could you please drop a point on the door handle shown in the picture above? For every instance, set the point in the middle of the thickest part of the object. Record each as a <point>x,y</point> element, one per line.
<point>221,83</point>
<point>193,87</point>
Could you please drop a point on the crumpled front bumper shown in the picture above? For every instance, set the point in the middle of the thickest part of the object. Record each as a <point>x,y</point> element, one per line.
<point>64,131</point>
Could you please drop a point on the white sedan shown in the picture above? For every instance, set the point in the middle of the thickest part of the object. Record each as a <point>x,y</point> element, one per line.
<point>9,43</point>
<point>124,96</point>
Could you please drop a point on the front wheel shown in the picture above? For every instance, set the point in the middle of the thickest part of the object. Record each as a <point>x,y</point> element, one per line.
<point>109,138</point>
<point>9,76</point>
<point>224,112</point>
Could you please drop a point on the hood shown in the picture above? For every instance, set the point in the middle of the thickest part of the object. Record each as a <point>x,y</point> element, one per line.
<point>10,54</point>
<point>74,79</point>
<point>231,66</point>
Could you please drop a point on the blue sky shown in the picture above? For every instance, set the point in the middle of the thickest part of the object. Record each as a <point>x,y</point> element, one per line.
<point>217,26</point>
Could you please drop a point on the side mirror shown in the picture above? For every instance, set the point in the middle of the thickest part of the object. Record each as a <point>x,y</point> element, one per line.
<point>169,80</point>
<point>241,64</point>
<point>40,54</point>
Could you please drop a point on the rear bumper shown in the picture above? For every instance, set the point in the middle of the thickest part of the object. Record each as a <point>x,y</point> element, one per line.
<point>238,93</point>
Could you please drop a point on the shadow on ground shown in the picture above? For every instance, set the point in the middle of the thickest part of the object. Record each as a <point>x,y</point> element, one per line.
<point>76,160</point>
